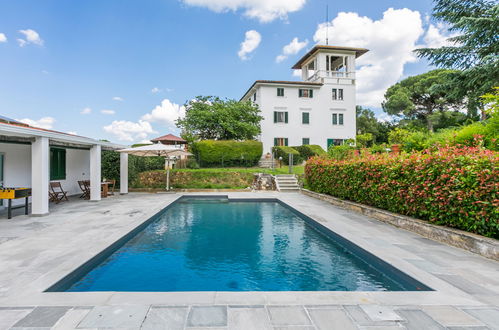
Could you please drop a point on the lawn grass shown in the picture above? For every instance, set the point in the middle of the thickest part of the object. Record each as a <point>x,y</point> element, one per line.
<point>209,178</point>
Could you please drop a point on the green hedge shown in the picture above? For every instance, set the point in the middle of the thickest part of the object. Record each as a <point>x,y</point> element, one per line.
<point>284,151</point>
<point>227,153</point>
<point>453,186</point>
<point>309,150</point>
<point>197,179</point>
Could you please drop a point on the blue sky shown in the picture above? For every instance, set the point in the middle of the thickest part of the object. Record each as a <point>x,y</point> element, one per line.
<point>132,64</point>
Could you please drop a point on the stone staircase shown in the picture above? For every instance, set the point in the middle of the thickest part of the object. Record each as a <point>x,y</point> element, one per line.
<point>286,182</point>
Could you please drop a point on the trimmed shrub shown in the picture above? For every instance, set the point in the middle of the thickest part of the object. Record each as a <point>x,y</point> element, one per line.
<point>341,152</point>
<point>227,153</point>
<point>284,151</point>
<point>309,150</point>
<point>453,186</point>
<point>197,179</point>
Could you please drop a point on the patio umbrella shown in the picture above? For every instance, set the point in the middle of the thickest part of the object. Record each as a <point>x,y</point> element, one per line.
<point>158,150</point>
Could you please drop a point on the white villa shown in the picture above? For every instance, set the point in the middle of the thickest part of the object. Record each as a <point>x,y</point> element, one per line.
<point>32,157</point>
<point>320,109</point>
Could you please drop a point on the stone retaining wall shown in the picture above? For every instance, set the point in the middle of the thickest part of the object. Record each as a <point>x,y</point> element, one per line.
<point>484,246</point>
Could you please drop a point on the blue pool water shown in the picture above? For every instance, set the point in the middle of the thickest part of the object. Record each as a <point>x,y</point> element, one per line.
<point>222,245</point>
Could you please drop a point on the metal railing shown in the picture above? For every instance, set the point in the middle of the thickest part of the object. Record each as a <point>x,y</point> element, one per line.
<point>331,74</point>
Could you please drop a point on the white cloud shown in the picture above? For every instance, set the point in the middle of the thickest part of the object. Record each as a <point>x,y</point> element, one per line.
<point>128,130</point>
<point>44,122</point>
<point>166,113</point>
<point>437,36</point>
<point>72,133</point>
<point>108,112</point>
<point>30,37</point>
<point>155,90</point>
<point>291,49</point>
<point>263,10</point>
<point>251,42</point>
<point>297,73</point>
<point>3,37</point>
<point>391,41</point>
<point>86,111</point>
<point>117,98</point>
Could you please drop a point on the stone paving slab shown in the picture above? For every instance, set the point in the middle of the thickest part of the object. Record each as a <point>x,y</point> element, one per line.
<point>250,318</point>
<point>207,316</point>
<point>331,319</point>
<point>451,316</point>
<point>417,320</point>
<point>288,315</point>
<point>489,316</point>
<point>172,318</point>
<point>123,317</point>
<point>42,317</point>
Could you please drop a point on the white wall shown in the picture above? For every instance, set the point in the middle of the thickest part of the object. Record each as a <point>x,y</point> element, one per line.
<point>77,168</point>
<point>320,107</point>
<point>17,168</point>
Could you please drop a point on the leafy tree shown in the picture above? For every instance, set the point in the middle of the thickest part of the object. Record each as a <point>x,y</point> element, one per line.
<point>209,117</point>
<point>474,50</point>
<point>368,123</point>
<point>421,96</point>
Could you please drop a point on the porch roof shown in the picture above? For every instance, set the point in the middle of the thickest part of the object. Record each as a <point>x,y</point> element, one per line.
<point>29,132</point>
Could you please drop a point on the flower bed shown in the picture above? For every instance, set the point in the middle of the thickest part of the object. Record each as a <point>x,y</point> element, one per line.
<point>453,186</point>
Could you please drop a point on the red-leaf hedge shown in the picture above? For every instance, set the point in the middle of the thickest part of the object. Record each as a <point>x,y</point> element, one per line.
<point>452,186</point>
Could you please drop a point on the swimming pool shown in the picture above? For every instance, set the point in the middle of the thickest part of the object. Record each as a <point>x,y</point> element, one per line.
<point>220,244</point>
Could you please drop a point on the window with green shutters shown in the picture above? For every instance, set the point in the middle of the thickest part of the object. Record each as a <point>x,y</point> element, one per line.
<point>280,91</point>
<point>305,141</point>
<point>57,164</point>
<point>308,93</point>
<point>281,117</point>
<point>305,118</point>
<point>337,119</point>
<point>279,142</point>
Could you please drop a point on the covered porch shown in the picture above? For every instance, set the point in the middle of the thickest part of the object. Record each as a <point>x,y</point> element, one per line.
<point>32,158</point>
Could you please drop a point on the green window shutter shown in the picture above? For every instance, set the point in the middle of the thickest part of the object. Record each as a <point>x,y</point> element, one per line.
<point>286,142</point>
<point>286,117</point>
<point>335,119</point>
<point>305,141</point>
<point>276,142</point>
<point>311,93</point>
<point>330,142</point>
<point>275,116</point>
<point>57,164</point>
<point>300,93</point>
<point>305,116</point>
<point>340,119</point>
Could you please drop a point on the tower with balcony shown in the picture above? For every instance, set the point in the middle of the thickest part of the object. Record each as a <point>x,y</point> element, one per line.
<point>319,109</point>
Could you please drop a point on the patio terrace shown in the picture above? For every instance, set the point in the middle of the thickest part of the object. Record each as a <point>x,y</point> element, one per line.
<point>36,252</point>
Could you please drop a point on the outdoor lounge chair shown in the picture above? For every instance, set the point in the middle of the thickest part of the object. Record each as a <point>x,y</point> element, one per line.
<point>56,192</point>
<point>85,188</point>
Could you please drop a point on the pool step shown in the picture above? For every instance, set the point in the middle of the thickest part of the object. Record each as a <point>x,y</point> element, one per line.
<point>286,182</point>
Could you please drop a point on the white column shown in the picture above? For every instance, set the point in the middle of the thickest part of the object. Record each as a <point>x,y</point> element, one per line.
<point>123,173</point>
<point>40,176</point>
<point>95,176</point>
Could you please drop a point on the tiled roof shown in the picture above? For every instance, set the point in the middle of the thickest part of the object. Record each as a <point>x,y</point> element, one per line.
<point>282,82</point>
<point>169,137</point>
<point>358,52</point>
